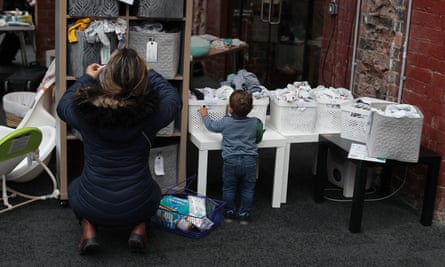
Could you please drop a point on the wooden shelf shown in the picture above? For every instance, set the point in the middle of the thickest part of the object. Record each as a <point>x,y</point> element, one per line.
<point>181,81</point>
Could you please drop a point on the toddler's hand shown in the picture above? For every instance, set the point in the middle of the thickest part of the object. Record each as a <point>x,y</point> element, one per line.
<point>203,111</point>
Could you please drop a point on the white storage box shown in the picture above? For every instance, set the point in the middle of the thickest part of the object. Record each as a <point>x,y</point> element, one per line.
<point>354,118</point>
<point>217,110</point>
<point>160,49</point>
<point>293,117</point>
<point>16,105</point>
<point>329,116</point>
<point>329,102</point>
<point>259,109</point>
<point>341,172</point>
<point>395,138</point>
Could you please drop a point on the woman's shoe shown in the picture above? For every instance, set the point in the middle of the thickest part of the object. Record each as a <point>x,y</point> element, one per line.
<point>137,241</point>
<point>88,246</point>
<point>88,242</point>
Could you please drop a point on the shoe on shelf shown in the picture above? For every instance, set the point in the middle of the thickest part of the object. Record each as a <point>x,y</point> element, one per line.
<point>88,243</point>
<point>137,242</point>
<point>244,218</point>
<point>229,216</point>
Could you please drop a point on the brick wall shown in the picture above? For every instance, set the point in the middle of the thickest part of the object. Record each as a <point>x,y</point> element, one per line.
<point>425,80</point>
<point>45,28</point>
<point>377,74</point>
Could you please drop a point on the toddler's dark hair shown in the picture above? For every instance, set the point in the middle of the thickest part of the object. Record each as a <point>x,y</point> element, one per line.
<point>241,103</point>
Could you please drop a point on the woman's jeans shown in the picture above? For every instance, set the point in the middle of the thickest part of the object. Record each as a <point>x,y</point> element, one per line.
<point>239,171</point>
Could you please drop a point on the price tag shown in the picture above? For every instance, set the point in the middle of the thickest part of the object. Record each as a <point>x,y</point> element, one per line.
<point>105,53</point>
<point>130,2</point>
<point>159,164</point>
<point>152,51</point>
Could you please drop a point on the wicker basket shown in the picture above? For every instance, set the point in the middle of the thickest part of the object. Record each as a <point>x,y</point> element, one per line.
<point>293,118</point>
<point>217,110</point>
<point>160,8</point>
<point>259,109</point>
<point>16,105</point>
<point>354,119</point>
<point>82,53</point>
<point>395,138</point>
<point>168,50</point>
<point>93,8</point>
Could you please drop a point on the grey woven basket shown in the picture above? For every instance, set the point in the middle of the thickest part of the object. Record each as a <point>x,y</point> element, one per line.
<point>160,8</point>
<point>395,138</point>
<point>82,53</point>
<point>94,8</point>
<point>168,50</point>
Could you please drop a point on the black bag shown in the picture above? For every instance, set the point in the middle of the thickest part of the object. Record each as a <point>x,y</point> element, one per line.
<point>9,46</point>
<point>26,79</point>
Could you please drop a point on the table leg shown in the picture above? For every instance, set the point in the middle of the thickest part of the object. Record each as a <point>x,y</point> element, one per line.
<point>287,149</point>
<point>278,177</point>
<point>429,195</point>
<point>21,36</point>
<point>322,176</point>
<point>355,219</point>
<point>202,171</point>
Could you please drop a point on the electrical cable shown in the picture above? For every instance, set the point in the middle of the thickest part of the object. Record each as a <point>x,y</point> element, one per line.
<point>369,199</point>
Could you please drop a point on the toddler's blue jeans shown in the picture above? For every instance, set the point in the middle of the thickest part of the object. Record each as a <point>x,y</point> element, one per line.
<point>239,171</point>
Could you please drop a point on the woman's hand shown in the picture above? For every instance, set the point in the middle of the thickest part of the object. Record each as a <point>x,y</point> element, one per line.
<point>94,70</point>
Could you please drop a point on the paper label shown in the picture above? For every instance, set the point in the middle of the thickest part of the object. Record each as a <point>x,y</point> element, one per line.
<point>152,51</point>
<point>159,165</point>
<point>105,53</point>
<point>19,144</point>
<point>360,152</point>
<point>130,2</point>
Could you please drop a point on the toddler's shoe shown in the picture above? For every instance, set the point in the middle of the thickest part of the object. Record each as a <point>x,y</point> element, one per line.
<point>229,216</point>
<point>244,218</point>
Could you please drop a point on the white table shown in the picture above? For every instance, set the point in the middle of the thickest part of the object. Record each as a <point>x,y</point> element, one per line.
<point>294,139</point>
<point>206,141</point>
<point>20,31</point>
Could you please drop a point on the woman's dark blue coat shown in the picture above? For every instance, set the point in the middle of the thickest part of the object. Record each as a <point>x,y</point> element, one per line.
<point>116,187</point>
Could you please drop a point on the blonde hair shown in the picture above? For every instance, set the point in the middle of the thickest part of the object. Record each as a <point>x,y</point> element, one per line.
<point>125,75</point>
<point>123,81</point>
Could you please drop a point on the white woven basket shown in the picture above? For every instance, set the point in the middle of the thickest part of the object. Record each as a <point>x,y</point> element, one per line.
<point>293,118</point>
<point>168,50</point>
<point>329,116</point>
<point>259,109</point>
<point>217,110</point>
<point>395,138</point>
<point>354,120</point>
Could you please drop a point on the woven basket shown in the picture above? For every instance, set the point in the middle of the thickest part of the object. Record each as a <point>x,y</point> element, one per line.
<point>293,118</point>
<point>354,119</point>
<point>83,53</point>
<point>217,110</point>
<point>259,109</point>
<point>329,116</point>
<point>160,8</point>
<point>168,50</point>
<point>395,138</point>
<point>12,120</point>
<point>94,8</point>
